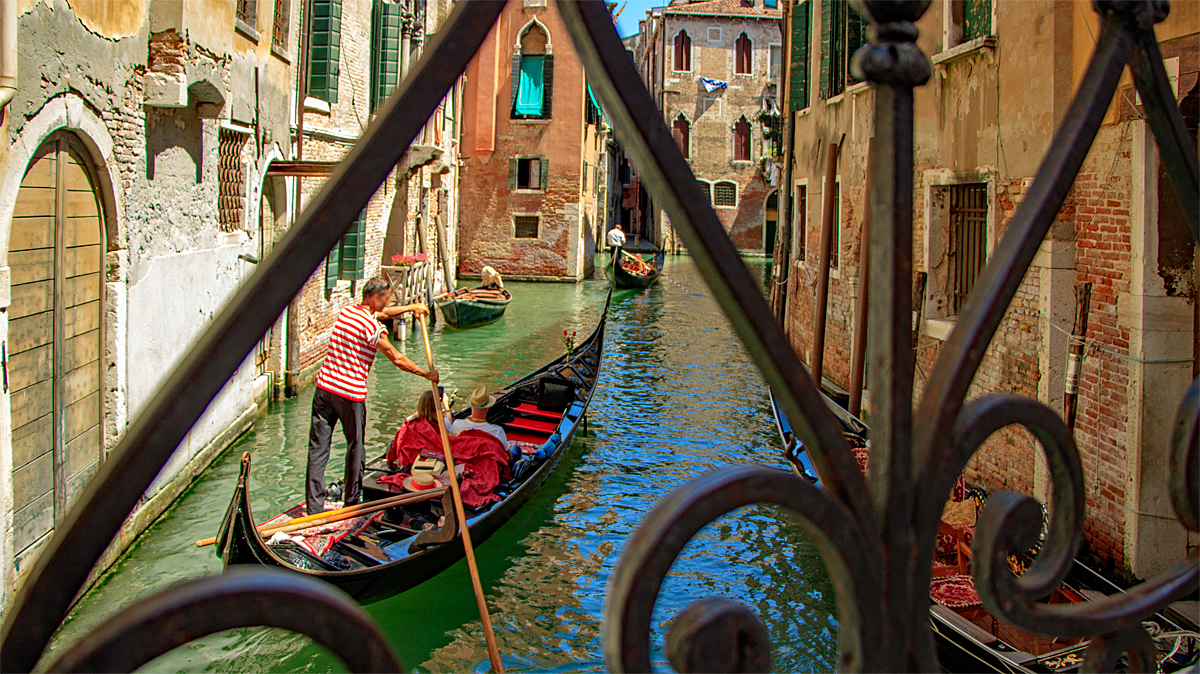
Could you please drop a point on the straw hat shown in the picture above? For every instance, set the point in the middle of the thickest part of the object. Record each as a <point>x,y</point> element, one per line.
<point>421,481</point>
<point>480,398</point>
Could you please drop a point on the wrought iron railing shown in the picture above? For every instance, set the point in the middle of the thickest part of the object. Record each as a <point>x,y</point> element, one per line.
<point>877,537</point>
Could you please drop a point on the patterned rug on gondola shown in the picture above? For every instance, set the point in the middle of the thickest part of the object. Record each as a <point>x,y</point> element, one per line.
<point>954,591</point>
<point>320,538</point>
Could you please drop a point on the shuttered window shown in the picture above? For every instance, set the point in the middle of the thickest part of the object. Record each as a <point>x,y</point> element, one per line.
<point>325,51</point>
<point>683,52</point>
<point>346,262</point>
<point>528,173</point>
<point>977,19</point>
<point>743,55</point>
<point>280,31</point>
<point>725,193</point>
<point>843,31</point>
<point>799,67</point>
<point>682,130</point>
<point>741,140</point>
<point>385,51</point>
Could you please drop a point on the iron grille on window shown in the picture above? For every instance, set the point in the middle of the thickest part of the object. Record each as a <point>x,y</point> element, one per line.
<point>707,189</point>
<point>800,208</point>
<point>525,226</point>
<point>835,233</point>
<point>725,193</point>
<point>279,31</point>
<point>247,11</point>
<point>968,238</point>
<point>231,180</point>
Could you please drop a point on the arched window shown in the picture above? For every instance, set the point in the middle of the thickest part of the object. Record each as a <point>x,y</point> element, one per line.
<point>682,130</point>
<point>683,52</point>
<point>743,51</point>
<point>725,193</point>
<point>706,187</point>
<point>741,139</point>
<point>533,74</point>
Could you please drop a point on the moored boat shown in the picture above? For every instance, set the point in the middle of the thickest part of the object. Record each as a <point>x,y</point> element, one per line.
<point>625,271</point>
<point>384,555</point>
<point>472,307</point>
<point>968,637</point>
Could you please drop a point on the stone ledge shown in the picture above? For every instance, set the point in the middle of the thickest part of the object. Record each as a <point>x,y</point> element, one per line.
<point>939,328</point>
<point>985,45</point>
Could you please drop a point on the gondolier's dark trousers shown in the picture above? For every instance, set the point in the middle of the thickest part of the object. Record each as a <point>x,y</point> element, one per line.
<point>328,409</point>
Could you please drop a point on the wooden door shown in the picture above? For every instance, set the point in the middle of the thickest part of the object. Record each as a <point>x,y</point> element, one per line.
<point>55,255</point>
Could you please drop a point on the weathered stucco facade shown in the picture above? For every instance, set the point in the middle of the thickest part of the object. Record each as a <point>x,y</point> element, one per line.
<point>982,125</point>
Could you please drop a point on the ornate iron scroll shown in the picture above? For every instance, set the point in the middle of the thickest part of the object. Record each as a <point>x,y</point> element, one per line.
<point>889,527</point>
<point>876,539</point>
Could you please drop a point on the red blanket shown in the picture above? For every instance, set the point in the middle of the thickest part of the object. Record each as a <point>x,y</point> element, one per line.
<point>483,457</point>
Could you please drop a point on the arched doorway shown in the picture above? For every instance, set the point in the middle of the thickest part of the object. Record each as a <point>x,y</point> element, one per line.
<point>771,223</point>
<point>55,253</point>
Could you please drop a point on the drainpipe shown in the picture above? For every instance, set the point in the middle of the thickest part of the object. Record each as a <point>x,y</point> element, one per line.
<point>8,52</point>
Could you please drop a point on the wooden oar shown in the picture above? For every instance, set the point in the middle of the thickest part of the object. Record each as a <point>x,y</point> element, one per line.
<point>493,650</point>
<point>330,516</point>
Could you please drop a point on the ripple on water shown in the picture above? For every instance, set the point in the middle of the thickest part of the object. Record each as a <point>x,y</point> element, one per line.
<point>677,397</point>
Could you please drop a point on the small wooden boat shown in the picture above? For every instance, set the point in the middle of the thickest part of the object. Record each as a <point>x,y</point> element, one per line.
<point>968,637</point>
<point>405,546</point>
<point>623,272</point>
<point>472,307</point>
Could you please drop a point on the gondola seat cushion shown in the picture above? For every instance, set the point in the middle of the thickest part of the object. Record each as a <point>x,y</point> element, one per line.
<point>954,592</point>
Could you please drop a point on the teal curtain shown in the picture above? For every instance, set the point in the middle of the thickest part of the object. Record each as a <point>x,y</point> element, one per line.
<point>529,94</point>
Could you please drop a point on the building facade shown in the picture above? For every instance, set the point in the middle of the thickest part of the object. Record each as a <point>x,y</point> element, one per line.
<point>1004,75</point>
<point>713,67</point>
<point>534,180</point>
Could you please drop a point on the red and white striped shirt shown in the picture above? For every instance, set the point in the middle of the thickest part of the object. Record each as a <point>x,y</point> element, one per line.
<point>351,352</point>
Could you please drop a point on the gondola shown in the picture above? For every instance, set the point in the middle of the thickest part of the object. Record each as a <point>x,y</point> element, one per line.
<point>968,638</point>
<point>627,278</point>
<point>407,545</point>
<point>472,307</point>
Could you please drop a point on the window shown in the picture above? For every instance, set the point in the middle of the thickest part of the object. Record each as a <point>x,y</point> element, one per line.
<point>776,60</point>
<point>968,238</point>
<point>843,31</point>
<point>743,55</point>
<point>584,177</point>
<point>741,139</point>
<point>800,218</point>
<point>799,68</point>
<point>528,173</point>
<point>231,180</point>
<point>682,130</point>
<point>967,20</point>
<point>706,188</point>
<point>771,222</point>
<point>385,51</point>
<point>714,34</point>
<point>725,193</point>
<point>592,111</point>
<point>525,226</point>
<point>533,75</point>
<point>683,52</point>
<point>325,50</point>
<point>247,12</point>
<point>346,260</point>
<point>835,232</point>
<point>279,30</point>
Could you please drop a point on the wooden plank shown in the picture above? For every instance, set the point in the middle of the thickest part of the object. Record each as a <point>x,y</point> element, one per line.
<point>81,231</point>
<point>34,201</point>
<point>33,480</point>
<point>31,298</point>
<point>30,403</point>
<point>78,204</point>
<point>77,481</point>
<point>75,176</point>
<point>30,367</point>
<point>31,232</point>
<point>80,383</point>
<point>33,440</point>
<point>28,266</point>
<point>81,290</point>
<point>33,521</point>
<point>30,332</point>
<point>82,415</point>
<point>82,451</point>
<point>81,349</point>
<point>41,173</point>
<point>81,260</point>
<point>81,319</point>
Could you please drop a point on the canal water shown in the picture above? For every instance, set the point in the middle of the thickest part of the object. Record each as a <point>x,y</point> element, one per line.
<point>677,397</point>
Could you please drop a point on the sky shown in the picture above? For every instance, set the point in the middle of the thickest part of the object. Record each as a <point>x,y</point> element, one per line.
<point>635,10</point>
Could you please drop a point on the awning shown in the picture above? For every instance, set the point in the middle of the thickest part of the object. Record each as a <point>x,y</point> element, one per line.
<point>597,104</point>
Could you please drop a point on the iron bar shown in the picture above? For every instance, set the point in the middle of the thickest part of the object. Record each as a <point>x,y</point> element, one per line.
<point>829,204</point>
<point>88,527</point>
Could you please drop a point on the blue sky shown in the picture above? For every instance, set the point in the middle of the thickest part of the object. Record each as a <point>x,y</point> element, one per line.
<point>635,10</point>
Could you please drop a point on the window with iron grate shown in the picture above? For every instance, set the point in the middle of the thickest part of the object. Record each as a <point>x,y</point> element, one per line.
<point>836,231</point>
<point>231,180</point>
<point>800,218</point>
<point>280,29</point>
<point>725,193</point>
<point>526,226</point>
<point>968,238</point>
<point>247,11</point>
<point>706,187</point>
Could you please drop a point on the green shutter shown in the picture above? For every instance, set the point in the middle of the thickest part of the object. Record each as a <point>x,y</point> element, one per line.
<point>331,266</point>
<point>856,36</point>
<point>513,168</point>
<point>977,19</point>
<point>516,83</point>
<point>799,66</point>
<point>828,42</point>
<point>545,162</point>
<point>324,68</point>
<point>548,86</point>
<point>354,250</point>
<point>385,51</point>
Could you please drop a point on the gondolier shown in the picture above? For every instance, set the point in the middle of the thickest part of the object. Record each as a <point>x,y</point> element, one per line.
<point>342,388</point>
<point>615,239</point>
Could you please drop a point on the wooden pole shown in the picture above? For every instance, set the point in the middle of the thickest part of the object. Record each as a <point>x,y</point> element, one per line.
<point>488,635</point>
<point>858,353</point>
<point>1083,301</point>
<point>826,244</point>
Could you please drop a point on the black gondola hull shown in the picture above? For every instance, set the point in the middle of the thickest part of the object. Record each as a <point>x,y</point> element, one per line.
<point>624,279</point>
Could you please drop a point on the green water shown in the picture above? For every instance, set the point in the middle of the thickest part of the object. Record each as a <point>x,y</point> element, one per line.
<point>677,396</point>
